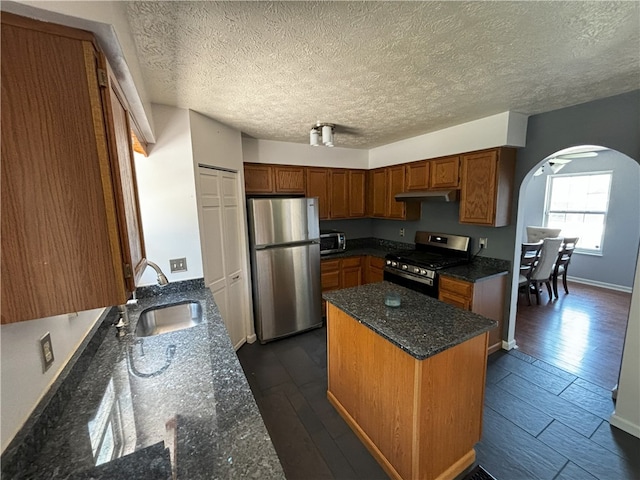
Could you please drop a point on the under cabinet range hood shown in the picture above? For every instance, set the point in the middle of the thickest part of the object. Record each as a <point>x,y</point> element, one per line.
<point>428,196</point>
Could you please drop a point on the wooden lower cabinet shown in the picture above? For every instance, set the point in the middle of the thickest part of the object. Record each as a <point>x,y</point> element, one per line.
<point>418,418</point>
<point>351,272</point>
<point>485,297</point>
<point>375,270</point>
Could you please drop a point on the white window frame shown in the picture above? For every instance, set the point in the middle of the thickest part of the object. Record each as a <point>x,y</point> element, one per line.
<point>547,211</point>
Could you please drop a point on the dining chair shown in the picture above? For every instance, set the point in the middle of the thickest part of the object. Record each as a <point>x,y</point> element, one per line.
<point>544,267</point>
<point>528,259</point>
<point>562,263</point>
<point>536,234</point>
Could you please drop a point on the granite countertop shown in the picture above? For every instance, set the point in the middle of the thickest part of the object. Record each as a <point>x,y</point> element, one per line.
<point>479,269</point>
<point>421,326</point>
<point>146,407</point>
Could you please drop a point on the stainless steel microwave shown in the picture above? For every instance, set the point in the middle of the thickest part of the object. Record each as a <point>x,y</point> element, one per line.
<point>332,242</point>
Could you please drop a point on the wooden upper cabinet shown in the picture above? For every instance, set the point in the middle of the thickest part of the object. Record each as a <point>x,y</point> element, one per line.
<point>289,179</point>
<point>258,178</point>
<point>339,193</point>
<point>318,186</point>
<point>378,192</point>
<point>417,175</point>
<point>445,172</point>
<point>357,193</point>
<point>487,187</point>
<point>69,209</point>
<point>395,181</point>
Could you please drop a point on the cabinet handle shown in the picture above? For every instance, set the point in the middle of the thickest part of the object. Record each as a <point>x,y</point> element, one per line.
<point>236,277</point>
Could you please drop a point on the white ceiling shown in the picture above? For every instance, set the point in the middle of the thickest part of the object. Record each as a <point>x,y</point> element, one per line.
<point>383,71</point>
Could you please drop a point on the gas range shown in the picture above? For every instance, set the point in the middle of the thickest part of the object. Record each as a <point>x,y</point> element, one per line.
<point>417,269</point>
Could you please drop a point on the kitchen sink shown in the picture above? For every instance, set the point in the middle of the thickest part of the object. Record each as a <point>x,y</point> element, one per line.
<point>169,318</point>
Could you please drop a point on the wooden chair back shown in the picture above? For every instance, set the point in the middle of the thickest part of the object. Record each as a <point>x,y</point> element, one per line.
<point>529,257</point>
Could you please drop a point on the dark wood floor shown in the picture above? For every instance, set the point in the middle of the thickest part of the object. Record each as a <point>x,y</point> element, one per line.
<point>540,422</point>
<point>582,332</point>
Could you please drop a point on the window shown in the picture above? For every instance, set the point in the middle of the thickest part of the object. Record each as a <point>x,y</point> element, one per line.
<point>578,204</point>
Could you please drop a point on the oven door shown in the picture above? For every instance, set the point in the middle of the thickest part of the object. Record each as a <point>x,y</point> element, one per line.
<point>417,284</point>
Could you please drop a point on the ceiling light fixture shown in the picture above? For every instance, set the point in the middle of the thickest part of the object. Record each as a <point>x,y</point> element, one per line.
<point>321,132</point>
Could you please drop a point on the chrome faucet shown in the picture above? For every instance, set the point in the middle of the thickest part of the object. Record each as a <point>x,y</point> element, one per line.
<point>162,279</point>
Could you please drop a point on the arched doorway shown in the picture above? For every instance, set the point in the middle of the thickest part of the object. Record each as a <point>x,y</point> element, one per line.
<point>614,265</point>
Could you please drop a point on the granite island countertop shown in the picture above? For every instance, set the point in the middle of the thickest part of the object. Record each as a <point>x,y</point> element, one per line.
<point>421,326</point>
<point>146,407</point>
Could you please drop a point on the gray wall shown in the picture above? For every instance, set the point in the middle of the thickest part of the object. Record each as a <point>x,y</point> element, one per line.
<point>622,232</point>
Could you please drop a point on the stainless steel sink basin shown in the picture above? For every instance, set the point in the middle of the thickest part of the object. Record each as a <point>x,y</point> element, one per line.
<point>169,318</point>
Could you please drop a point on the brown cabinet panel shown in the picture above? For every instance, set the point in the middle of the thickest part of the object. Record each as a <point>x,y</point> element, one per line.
<point>378,192</point>
<point>486,297</point>
<point>417,175</point>
<point>289,179</point>
<point>67,206</point>
<point>258,178</point>
<point>487,186</point>
<point>375,269</point>
<point>339,191</point>
<point>395,180</point>
<point>351,272</point>
<point>357,193</point>
<point>318,186</point>
<point>445,173</point>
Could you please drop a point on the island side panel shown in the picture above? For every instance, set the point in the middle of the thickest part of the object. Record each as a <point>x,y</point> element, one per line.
<point>450,413</point>
<point>372,385</point>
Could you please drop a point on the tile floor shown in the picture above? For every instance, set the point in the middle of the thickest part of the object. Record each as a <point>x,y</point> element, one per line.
<point>540,422</point>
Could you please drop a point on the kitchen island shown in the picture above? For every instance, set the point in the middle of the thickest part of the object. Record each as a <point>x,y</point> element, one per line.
<point>408,380</point>
<point>169,406</point>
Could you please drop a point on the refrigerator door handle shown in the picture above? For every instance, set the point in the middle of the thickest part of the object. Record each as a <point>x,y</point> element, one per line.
<point>285,245</point>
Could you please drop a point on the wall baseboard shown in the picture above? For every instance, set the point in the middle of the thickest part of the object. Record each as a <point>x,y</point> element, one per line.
<point>251,338</point>
<point>625,425</point>
<point>595,283</point>
<point>510,345</point>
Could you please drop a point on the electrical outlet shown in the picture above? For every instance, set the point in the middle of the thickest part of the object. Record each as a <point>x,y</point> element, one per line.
<point>402,232</point>
<point>178,265</point>
<point>46,351</point>
<point>483,242</point>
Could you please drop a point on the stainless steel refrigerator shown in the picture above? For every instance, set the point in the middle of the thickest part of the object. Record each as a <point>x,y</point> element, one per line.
<point>284,237</point>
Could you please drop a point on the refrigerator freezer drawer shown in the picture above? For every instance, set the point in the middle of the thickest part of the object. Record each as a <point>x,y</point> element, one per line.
<point>286,290</point>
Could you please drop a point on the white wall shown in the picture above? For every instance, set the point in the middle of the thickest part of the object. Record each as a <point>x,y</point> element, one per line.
<point>507,128</point>
<point>108,21</point>
<point>269,151</point>
<point>627,413</point>
<point>22,382</point>
<point>166,186</point>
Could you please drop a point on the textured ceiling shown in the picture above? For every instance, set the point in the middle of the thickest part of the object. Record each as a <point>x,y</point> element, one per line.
<point>382,71</point>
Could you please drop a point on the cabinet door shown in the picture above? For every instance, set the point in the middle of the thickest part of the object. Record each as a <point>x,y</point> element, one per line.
<point>351,272</point>
<point>339,188</point>
<point>445,172</point>
<point>330,275</point>
<point>126,191</point>
<point>357,192</point>
<point>258,178</point>
<point>395,180</point>
<point>378,192</point>
<point>288,179</point>
<point>318,186</point>
<point>417,175</point>
<point>61,250</point>
<point>478,196</point>
<point>375,269</point>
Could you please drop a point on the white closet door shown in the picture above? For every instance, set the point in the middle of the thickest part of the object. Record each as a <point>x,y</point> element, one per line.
<point>222,255</point>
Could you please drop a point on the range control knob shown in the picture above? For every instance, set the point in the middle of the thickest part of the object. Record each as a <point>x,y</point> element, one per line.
<point>388,262</point>
<point>405,266</point>
<point>423,271</point>
<point>416,270</point>
<point>394,264</point>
